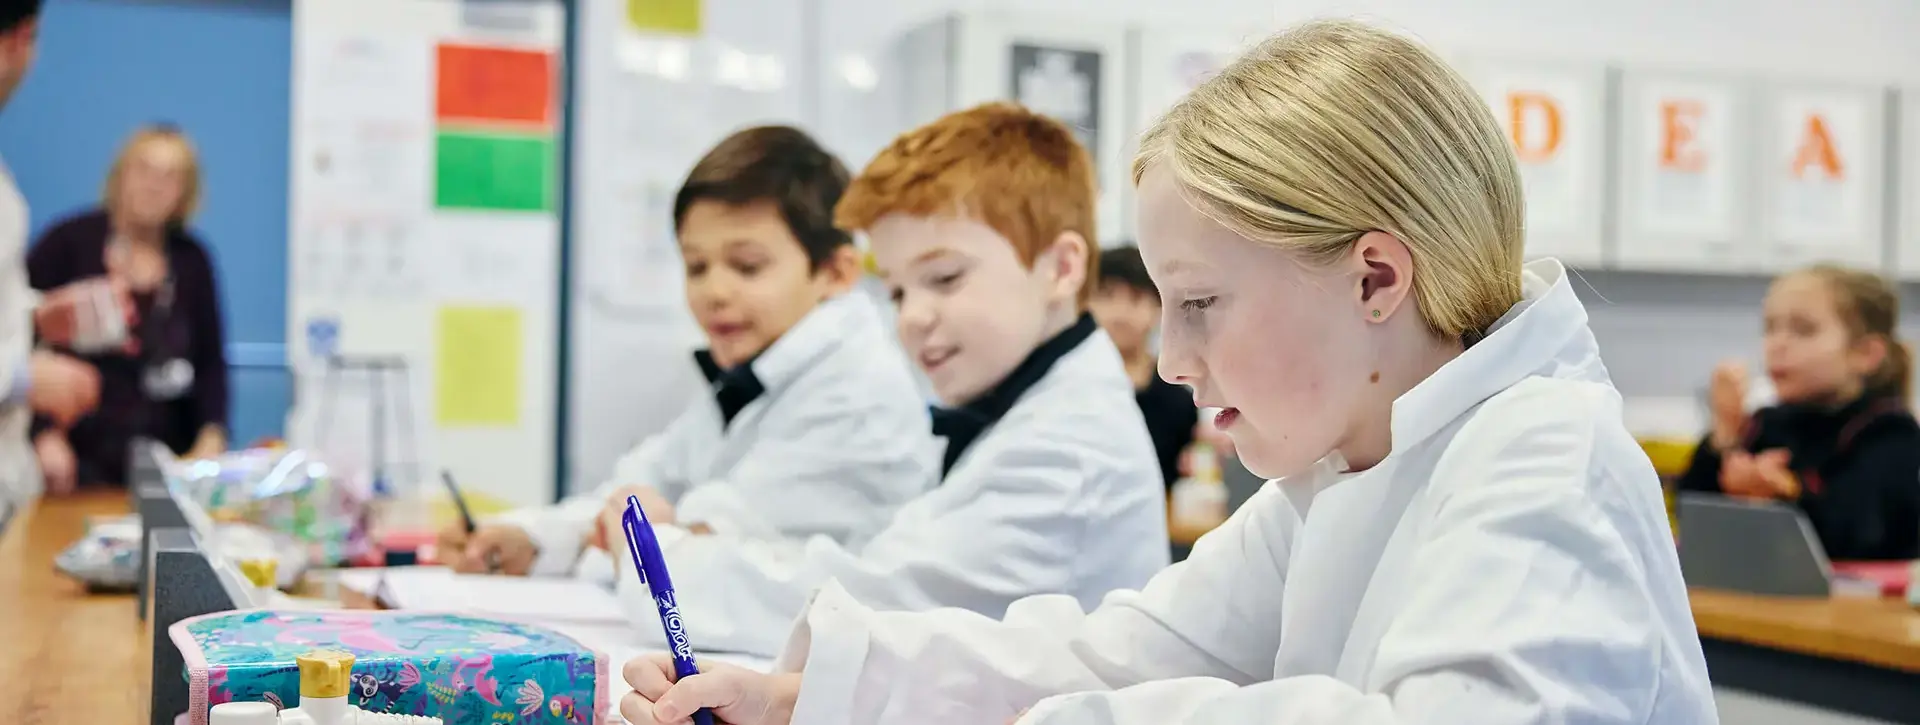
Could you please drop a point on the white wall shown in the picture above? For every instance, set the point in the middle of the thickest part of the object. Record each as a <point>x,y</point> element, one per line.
<point>1661,333</point>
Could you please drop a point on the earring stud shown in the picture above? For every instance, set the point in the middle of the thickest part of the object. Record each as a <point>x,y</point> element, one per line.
<point>1376,314</point>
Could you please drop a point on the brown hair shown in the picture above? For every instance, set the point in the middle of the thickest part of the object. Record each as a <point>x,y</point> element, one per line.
<point>1870,307</point>
<point>781,165</point>
<point>156,133</point>
<point>1021,173</point>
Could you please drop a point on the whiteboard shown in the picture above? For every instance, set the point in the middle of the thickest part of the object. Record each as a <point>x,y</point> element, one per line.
<point>649,104</point>
<point>423,229</point>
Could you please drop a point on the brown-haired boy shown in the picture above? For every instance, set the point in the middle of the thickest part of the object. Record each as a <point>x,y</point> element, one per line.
<point>814,427</point>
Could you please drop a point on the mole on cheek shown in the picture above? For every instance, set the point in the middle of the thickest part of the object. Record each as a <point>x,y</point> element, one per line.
<point>1375,378</point>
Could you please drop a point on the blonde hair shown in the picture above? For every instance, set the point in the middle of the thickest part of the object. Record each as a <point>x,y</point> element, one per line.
<point>116,174</point>
<point>1870,307</point>
<point>1333,129</point>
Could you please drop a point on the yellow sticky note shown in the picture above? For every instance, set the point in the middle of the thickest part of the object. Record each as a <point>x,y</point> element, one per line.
<point>664,16</point>
<point>477,368</point>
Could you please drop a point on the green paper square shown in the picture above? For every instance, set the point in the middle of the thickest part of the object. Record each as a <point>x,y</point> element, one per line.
<point>493,171</point>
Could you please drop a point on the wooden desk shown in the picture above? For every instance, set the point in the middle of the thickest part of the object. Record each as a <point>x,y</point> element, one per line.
<point>66,656</point>
<point>1858,656</point>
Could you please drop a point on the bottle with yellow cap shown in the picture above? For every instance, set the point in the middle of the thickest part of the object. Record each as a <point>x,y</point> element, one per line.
<point>324,679</point>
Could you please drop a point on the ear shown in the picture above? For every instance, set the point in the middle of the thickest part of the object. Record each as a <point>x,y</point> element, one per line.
<point>1868,353</point>
<point>840,270</point>
<point>1065,263</point>
<point>1384,270</point>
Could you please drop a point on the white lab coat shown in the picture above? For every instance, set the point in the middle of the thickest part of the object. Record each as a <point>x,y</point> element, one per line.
<point>19,471</point>
<point>1062,494</point>
<point>1508,563</point>
<point>834,446</point>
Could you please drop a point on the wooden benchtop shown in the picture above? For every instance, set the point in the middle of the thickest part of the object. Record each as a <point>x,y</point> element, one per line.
<point>1880,632</point>
<point>66,656</point>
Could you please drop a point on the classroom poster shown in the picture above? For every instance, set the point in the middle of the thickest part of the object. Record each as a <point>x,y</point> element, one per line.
<point>1822,165</point>
<point>423,235</point>
<point>1684,144</point>
<point>1554,117</point>
<point>1060,82</point>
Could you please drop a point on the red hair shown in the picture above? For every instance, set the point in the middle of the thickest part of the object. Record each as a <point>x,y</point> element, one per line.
<point>1021,173</point>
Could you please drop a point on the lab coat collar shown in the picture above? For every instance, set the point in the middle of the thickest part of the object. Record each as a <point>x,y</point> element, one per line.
<point>1544,334</point>
<point>732,389</point>
<point>963,424</point>
<point>824,329</point>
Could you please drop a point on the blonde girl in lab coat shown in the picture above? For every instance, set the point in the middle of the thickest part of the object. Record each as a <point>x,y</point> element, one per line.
<point>1462,530</point>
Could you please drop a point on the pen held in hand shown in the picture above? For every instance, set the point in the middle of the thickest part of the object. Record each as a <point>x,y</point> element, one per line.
<point>466,518</point>
<point>651,566</point>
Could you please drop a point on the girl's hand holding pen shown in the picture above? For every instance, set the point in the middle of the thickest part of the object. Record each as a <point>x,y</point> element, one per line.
<point>735,695</point>
<point>606,530</point>
<point>507,546</point>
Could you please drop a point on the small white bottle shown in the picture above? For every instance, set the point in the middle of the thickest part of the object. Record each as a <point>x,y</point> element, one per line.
<point>244,713</point>
<point>324,679</point>
<point>1200,499</point>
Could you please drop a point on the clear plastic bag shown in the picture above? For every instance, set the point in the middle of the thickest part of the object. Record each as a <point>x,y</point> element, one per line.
<point>291,492</point>
<point>107,558</point>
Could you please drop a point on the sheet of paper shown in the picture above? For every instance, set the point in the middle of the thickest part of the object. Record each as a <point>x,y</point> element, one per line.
<point>543,600</point>
<point>622,644</point>
<point>680,17</point>
<point>477,366</point>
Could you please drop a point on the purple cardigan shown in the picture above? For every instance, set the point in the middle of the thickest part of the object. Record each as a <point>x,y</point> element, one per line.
<point>189,329</point>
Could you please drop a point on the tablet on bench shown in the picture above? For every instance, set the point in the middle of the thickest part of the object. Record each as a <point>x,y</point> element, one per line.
<point>1752,547</point>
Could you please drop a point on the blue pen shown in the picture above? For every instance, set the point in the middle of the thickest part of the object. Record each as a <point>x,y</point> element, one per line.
<point>651,567</point>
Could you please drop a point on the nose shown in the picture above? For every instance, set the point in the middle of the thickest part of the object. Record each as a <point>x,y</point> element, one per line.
<point>1179,364</point>
<point>916,315</point>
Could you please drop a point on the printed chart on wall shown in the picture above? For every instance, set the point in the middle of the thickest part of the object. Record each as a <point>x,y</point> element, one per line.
<point>1554,117</point>
<point>1825,176</point>
<point>425,240</point>
<point>1684,200</point>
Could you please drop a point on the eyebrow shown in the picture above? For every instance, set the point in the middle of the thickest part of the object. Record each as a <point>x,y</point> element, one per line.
<point>930,255</point>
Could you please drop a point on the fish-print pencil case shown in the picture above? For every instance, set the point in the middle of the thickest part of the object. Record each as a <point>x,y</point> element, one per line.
<point>464,670</point>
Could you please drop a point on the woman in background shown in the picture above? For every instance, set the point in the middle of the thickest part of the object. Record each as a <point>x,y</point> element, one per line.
<point>1127,306</point>
<point>1841,443</point>
<point>168,382</point>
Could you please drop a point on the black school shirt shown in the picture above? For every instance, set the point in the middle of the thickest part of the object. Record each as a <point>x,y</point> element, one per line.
<point>1171,417</point>
<point>1859,470</point>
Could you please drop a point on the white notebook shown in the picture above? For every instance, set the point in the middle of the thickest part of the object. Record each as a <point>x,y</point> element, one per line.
<point>536,599</point>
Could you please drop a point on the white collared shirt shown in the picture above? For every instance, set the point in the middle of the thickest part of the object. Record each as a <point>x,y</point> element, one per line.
<point>1508,563</point>
<point>836,443</point>
<point>1062,494</point>
<point>19,469</point>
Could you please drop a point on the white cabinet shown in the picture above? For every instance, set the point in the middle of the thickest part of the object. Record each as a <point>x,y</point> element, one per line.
<point>1555,117</point>
<point>1822,170</point>
<point>1684,181</point>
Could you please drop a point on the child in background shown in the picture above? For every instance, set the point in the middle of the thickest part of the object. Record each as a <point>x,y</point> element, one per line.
<point>1463,531</point>
<point>981,225</point>
<point>1841,443</point>
<point>814,426</point>
<point>1127,306</point>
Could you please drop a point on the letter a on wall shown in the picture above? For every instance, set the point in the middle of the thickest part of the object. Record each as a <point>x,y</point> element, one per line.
<point>1825,175</point>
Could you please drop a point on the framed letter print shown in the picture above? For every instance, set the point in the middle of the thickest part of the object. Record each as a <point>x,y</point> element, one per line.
<point>1684,196</point>
<point>1555,117</point>
<point>1823,171</point>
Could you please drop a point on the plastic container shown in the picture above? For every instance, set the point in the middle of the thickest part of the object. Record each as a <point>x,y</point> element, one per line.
<point>244,713</point>
<point>1200,499</point>
<point>324,678</point>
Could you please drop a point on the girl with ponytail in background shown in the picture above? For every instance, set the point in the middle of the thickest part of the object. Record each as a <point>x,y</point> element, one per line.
<point>1841,443</point>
